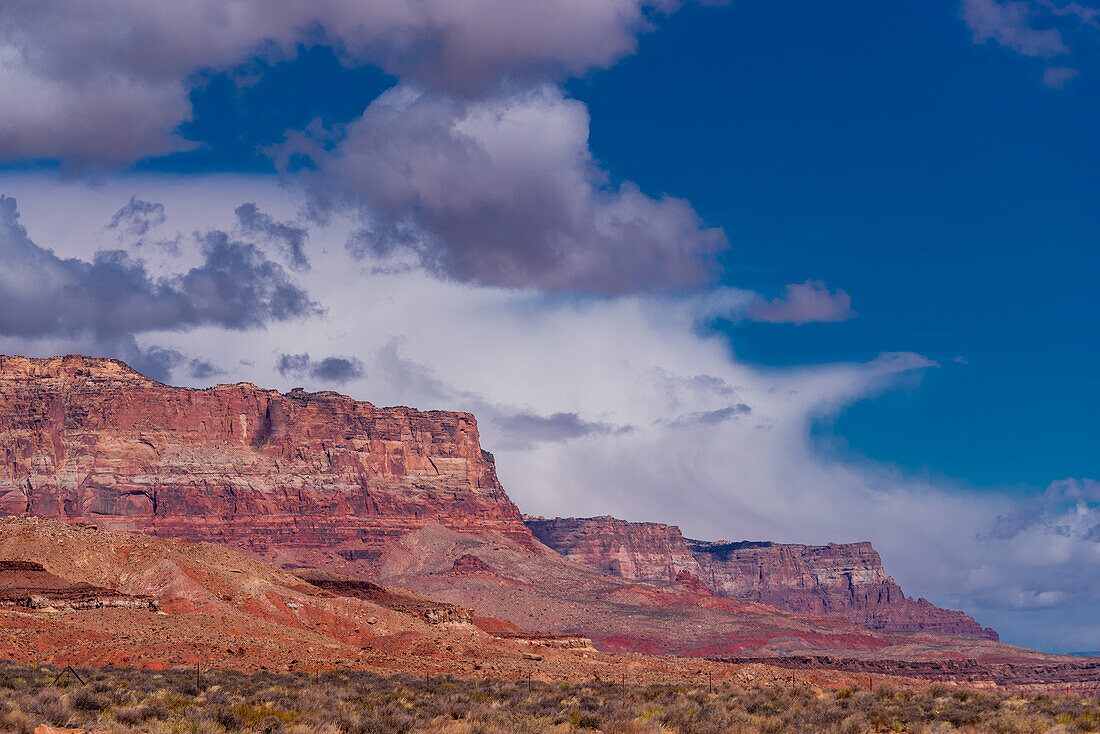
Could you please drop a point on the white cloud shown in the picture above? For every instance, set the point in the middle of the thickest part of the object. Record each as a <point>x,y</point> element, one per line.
<point>612,390</point>
<point>803,303</point>
<point>109,296</point>
<point>105,82</point>
<point>476,162</point>
<point>110,118</point>
<point>504,191</point>
<point>1045,29</point>
<point>1011,23</point>
<point>1056,77</point>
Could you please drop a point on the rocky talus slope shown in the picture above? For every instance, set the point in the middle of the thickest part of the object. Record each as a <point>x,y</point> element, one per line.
<point>836,579</point>
<point>299,479</point>
<point>125,599</point>
<point>206,605</point>
<point>28,585</point>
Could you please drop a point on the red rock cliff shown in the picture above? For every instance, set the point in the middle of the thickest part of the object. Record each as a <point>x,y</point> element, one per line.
<point>281,476</point>
<point>836,579</point>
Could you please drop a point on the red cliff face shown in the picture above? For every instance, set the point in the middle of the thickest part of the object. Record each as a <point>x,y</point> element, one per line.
<point>319,479</point>
<point>281,476</point>
<point>837,579</point>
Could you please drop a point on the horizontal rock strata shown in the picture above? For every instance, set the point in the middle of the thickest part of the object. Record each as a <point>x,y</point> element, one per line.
<point>836,579</point>
<point>28,584</point>
<point>397,599</point>
<point>291,478</point>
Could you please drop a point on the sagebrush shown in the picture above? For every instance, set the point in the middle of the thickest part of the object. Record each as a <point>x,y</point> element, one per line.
<point>174,701</point>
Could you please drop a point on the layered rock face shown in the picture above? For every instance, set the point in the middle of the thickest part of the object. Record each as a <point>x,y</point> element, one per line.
<point>836,579</point>
<point>28,584</point>
<point>409,498</point>
<point>293,478</point>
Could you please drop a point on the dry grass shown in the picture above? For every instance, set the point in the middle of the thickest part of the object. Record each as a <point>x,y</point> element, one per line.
<point>171,702</point>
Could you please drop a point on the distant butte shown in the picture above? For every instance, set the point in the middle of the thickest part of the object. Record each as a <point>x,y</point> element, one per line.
<point>844,579</point>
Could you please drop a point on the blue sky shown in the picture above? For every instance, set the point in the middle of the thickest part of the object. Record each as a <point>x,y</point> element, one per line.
<point>803,272</point>
<point>877,148</point>
<point>938,181</point>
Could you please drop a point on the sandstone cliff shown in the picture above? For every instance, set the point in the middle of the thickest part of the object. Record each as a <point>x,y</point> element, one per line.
<point>294,478</point>
<point>837,579</point>
<point>409,498</point>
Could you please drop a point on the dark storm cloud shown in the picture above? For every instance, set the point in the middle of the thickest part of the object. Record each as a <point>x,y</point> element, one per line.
<point>337,369</point>
<point>137,218</point>
<point>288,237</point>
<point>292,365</point>
<point>200,369</point>
<point>157,362</point>
<point>239,287</point>
<point>113,295</point>
<point>712,417</point>
<point>330,369</point>
<point>525,430</point>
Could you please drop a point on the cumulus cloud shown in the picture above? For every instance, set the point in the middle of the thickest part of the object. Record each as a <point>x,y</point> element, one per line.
<point>96,86</point>
<point>713,417</point>
<point>288,237</point>
<point>134,223</point>
<point>1049,548</point>
<point>524,431</point>
<point>1042,29</point>
<point>329,370</point>
<point>113,297</point>
<point>337,369</point>
<point>137,218</point>
<point>1056,77</point>
<point>803,303</point>
<point>160,363</point>
<point>477,164</point>
<point>1012,23</point>
<point>1068,507</point>
<point>292,365</point>
<point>200,369</point>
<point>86,117</point>
<point>505,191</point>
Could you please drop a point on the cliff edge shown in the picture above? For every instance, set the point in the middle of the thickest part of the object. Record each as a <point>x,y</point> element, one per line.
<point>839,579</point>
